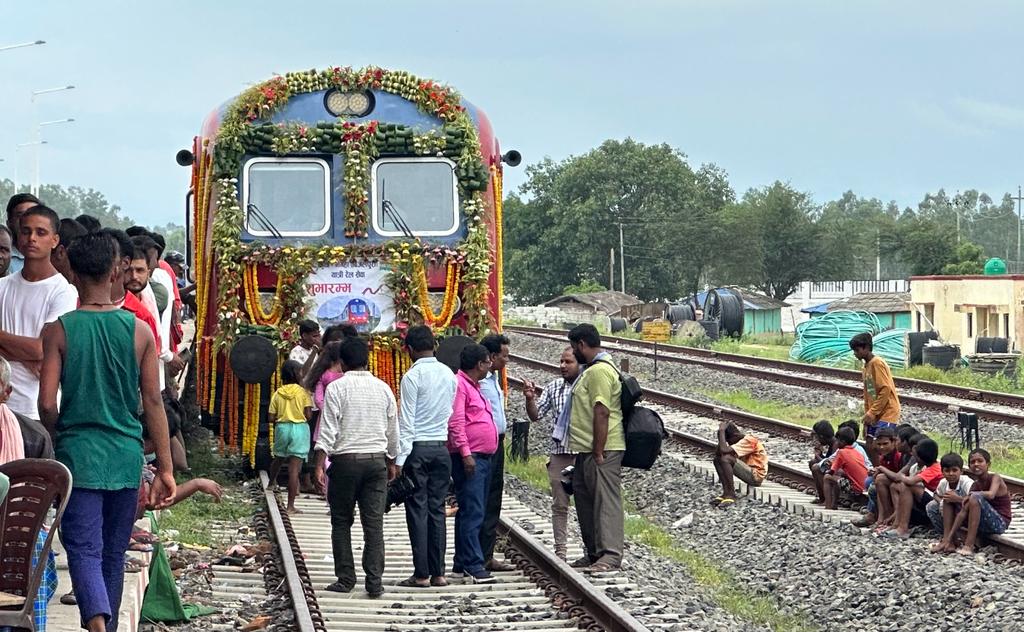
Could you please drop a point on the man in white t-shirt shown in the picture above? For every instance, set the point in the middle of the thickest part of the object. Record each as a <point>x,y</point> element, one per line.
<point>29,299</point>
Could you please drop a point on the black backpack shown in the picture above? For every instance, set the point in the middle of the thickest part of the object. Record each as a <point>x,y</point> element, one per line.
<point>643,427</point>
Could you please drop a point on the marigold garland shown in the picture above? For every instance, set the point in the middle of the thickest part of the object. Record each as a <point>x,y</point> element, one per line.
<point>254,306</point>
<point>444,318</point>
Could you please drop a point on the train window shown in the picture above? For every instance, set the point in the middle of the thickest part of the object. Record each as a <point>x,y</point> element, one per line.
<point>415,195</point>
<point>286,197</point>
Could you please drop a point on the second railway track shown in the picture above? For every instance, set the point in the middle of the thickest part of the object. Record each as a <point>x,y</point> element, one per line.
<point>796,374</point>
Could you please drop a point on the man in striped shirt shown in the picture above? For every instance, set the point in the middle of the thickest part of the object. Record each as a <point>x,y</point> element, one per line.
<point>359,430</point>
<point>551,402</point>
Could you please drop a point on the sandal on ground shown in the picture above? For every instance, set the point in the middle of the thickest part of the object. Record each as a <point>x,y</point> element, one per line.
<point>69,599</point>
<point>717,501</point>
<point>412,582</point>
<point>144,537</point>
<point>726,503</point>
<point>338,587</point>
<point>600,567</point>
<point>438,581</point>
<point>862,524</point>
<point>582,562</point>
<point>132,565</point>
<point>140,547</point>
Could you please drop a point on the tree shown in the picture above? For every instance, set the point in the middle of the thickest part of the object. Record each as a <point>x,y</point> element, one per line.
<point>562,225</point>
<point>772,242</point>
<point>586,287</point>
<point>968,259</point>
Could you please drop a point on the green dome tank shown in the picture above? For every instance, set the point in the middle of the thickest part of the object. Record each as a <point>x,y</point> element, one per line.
<point>995,265</point>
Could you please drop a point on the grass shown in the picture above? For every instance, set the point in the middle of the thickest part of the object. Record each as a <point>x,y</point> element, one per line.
<point>197,518</point>
<point>1000,383</point>
<point>1006,459</point>
<point>793,413</point>
<point>721,586</point>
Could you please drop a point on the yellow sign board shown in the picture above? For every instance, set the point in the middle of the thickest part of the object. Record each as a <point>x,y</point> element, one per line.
<point>657,331</point>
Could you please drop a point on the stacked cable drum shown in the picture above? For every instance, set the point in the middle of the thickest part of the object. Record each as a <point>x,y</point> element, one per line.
<point>826,339</point>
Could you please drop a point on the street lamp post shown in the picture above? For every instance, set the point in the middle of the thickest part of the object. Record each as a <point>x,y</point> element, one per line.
<point>23,45</point>
<point>38,125</point>
<point>39,150</point>
<point>16,161</point>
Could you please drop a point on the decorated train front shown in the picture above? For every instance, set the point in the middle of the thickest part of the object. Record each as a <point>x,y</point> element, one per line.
<point>369,197</point>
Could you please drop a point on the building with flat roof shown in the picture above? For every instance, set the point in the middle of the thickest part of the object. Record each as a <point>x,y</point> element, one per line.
<point>964,308</point>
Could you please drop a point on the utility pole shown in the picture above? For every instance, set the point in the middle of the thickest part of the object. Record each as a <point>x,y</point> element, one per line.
<point>1018,198</point>
<point>622,259</point>
<point>611,269</point>
<point>878,255</point>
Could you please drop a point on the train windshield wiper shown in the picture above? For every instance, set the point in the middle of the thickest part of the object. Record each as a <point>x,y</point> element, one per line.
<point>263,220</point>
<point>392,213</point>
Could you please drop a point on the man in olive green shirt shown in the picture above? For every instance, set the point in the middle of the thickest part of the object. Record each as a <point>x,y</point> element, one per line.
<point>596,436</point>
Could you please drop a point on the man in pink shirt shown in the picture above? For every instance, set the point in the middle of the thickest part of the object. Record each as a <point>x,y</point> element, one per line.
<point>472,440</point>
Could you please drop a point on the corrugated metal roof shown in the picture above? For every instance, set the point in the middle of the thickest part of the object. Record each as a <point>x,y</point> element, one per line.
<point>878,303</point>
<point>607,302</point>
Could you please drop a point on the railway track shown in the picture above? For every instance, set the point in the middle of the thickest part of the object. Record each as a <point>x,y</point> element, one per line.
<point>543,594</point>
<point>1010,545</point>
<point>810,376</point>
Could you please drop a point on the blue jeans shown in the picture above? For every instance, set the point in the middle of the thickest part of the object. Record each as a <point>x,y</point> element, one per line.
<point>471,494</point>
<point>869,485</point>
<point>96,527</point>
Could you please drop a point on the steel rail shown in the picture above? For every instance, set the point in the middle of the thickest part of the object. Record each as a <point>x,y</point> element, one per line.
<point>1008,549</point>
<point>307,613</point>
<point>960,392</point>
<point>569,590</point>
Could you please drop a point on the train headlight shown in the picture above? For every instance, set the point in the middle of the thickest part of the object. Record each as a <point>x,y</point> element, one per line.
<point>340,103</point>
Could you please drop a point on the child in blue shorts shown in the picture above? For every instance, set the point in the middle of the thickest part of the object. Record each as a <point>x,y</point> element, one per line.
<point>290,409</point>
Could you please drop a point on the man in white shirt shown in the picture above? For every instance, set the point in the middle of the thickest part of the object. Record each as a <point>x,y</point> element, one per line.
<point>29,299</point>
<point>359,431</point>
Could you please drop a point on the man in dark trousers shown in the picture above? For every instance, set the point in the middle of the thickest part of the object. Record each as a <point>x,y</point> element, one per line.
<point>359,430</point>
<point>427,392</point>
<point>597,437</point>
<point>492,388</point>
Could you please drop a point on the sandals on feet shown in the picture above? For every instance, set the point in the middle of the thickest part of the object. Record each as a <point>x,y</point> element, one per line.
<point>726,503</point>
<point>412,582</point>
<point>600,567</point>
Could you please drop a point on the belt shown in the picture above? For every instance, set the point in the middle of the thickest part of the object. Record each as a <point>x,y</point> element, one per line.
<point>353,456</point>
<point>430,444</point>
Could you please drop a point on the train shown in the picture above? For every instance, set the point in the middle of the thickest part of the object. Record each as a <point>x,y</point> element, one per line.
<point>366,196</point>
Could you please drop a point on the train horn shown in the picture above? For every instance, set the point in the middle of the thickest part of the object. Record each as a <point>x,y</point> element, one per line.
<point>512,158</point>
<point>184,158</point>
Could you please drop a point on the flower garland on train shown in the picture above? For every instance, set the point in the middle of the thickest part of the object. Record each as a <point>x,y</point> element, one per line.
<point>361,143</point>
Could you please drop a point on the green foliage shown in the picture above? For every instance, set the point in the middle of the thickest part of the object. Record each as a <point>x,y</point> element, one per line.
<point>969,259</point>
<point>73,201</point>
<point>562,224</point>
<point>585,287</point>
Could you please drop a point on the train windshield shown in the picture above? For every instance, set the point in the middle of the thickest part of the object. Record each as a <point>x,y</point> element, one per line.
<point>415,197</point>
<point>286,197</point>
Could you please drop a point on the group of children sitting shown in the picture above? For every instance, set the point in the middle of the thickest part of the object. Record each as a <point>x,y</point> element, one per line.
<point>907,485</point>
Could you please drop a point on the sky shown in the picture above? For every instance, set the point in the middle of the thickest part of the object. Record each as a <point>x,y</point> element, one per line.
<point>888,99</point>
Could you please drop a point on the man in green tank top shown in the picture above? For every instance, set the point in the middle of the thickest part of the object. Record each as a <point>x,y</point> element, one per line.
<point>101,357</point>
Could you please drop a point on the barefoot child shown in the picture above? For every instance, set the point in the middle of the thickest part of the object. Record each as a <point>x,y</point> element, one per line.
<point>823,439</point>
<point>987,510</point>
<point>913,491</point>
<point>950,496</point>
<point>290,409</point>
<point>888,457</point>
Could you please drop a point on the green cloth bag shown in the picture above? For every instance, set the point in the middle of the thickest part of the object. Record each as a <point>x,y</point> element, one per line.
<point>162,602</point>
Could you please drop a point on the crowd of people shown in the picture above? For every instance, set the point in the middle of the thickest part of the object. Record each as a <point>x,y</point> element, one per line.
<point>899,471</point>
<point>446,432</point>
<point>90,330</point>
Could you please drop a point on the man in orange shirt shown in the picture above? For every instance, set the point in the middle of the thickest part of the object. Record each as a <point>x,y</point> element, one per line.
<point>881,403</point>
<point>738,456</point>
